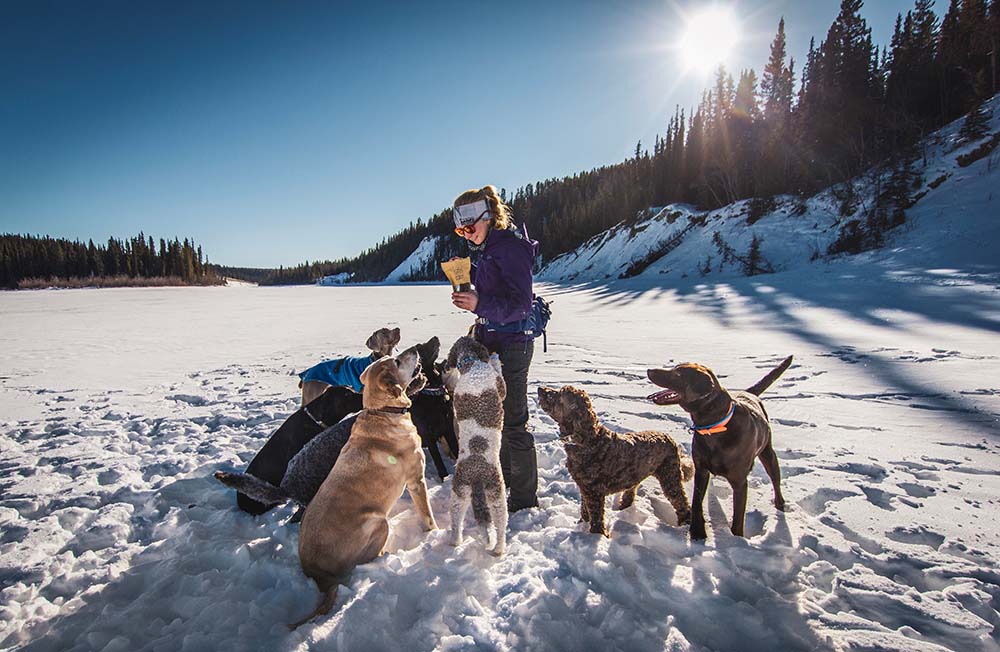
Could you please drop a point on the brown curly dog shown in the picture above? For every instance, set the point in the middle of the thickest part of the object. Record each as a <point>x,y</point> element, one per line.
<point>603,462</point>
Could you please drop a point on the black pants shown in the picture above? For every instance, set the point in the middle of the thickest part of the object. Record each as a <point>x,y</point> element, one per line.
<point>517,447</point>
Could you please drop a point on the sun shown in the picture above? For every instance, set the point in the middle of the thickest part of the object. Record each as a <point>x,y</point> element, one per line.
<point>708,39</point>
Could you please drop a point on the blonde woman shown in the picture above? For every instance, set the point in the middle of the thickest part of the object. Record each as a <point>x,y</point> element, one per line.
<point>501,299</point>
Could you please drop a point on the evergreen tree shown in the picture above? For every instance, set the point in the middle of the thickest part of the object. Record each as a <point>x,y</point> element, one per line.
<point>976,124</point>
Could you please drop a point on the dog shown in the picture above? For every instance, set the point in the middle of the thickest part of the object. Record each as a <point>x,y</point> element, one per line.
<point>304,475</point>
<point>731,430</point>
<point>432,410</point>
<point>271,462</point>
<point>346,371</point>
<point>432,414</point>
<point>479,391</point>
<point>603,462</point>
<point>346,522</point>
<point>307,469</point>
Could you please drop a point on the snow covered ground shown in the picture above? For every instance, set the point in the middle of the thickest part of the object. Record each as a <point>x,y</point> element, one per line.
<point>116,406</point>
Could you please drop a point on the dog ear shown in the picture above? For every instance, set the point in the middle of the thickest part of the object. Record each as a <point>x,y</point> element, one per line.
<point>365,374</point>
<point>433,348</point>
<point>385,377</point>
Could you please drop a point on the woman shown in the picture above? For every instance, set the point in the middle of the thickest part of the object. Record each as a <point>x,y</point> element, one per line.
<point>501,297</point>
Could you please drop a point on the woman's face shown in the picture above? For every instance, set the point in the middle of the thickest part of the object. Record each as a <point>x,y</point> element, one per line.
<point>479,235</point>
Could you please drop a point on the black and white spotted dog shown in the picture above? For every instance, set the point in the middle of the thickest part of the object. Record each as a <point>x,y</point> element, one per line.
<point>478,392</point>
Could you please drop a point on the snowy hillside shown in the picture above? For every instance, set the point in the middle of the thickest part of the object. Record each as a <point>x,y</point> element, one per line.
<point>677,241</point>
<point>414,262</point>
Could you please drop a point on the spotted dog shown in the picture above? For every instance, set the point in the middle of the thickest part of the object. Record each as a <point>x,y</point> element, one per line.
<point>479,391</point>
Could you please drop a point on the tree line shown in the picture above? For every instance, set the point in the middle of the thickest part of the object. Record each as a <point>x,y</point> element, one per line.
<point>850,107</point>
<point>27,260</point>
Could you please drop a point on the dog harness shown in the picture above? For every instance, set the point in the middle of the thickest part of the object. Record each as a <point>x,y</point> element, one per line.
<point>717,427</point>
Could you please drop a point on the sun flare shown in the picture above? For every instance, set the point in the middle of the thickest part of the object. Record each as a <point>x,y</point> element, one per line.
<point>708,39</point>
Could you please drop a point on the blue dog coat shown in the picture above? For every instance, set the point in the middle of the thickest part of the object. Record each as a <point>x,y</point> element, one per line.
<point>342,372</point>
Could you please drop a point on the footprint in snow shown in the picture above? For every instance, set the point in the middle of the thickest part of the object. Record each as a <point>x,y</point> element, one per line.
<point>873,471</point>
<point>879,497</point>
<point>816,503</point>
<point>916,535</point>
<point>917,490</point>
<point>190,399</point>
<point>794,455</point>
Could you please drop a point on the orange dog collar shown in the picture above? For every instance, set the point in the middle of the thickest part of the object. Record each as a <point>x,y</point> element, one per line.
<point>717,427</point>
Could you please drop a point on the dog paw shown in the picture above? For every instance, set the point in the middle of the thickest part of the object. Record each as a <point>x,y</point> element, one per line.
<point>498,551</point>
<point>455,541</point>
<point>698,533</point>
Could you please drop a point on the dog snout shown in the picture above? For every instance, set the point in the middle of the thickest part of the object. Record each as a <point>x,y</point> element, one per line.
<point>661,377</point>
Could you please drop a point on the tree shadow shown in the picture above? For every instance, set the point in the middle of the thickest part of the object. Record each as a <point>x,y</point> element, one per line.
<point>862,295</point>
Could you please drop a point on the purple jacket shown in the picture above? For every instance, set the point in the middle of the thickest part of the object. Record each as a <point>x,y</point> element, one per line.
<point>502,276</point>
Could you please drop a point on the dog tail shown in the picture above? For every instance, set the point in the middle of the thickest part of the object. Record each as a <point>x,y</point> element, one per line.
<point>253,487</point>
<point>326,602</point>
<point>758,388</point>
<point>480,507</point>
<point>687,466</point>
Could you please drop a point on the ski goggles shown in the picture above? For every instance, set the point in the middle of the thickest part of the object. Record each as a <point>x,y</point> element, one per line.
<point>467,215</point>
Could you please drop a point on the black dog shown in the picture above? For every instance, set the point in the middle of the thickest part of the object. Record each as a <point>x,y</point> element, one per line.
<point>306,471</point>
<point>271,461</point>
<point>431,412</point>
<point>730,432</point>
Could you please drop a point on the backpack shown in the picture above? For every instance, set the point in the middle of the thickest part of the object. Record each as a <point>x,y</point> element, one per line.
<point>534,324</point>
<point>538,320</point>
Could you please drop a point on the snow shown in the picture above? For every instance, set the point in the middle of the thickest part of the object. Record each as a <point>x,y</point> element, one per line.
<point>335,279</point>
<point>414,262</point>
<point>117,405</point>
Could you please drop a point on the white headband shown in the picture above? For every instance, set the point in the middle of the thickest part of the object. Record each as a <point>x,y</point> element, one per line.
<point>468,214</point>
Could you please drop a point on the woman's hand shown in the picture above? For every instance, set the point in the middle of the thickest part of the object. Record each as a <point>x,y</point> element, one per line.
<point>465,300</point>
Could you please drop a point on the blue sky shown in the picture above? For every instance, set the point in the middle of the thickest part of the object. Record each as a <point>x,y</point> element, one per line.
<point>273,133</point>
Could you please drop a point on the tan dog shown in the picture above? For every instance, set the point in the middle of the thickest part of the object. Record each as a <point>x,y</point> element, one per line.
<point>381,343</point>
<point>345,524</point>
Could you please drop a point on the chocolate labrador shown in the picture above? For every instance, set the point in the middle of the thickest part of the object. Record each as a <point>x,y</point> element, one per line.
<point>731,430</point>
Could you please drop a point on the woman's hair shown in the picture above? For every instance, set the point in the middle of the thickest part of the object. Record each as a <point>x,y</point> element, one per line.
<point>500,212</point>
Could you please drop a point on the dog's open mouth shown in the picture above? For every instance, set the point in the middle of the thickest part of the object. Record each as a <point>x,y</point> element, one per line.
<point>665,397</point>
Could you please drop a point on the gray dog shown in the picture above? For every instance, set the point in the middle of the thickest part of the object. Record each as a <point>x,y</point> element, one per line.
<point>310,466</point>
